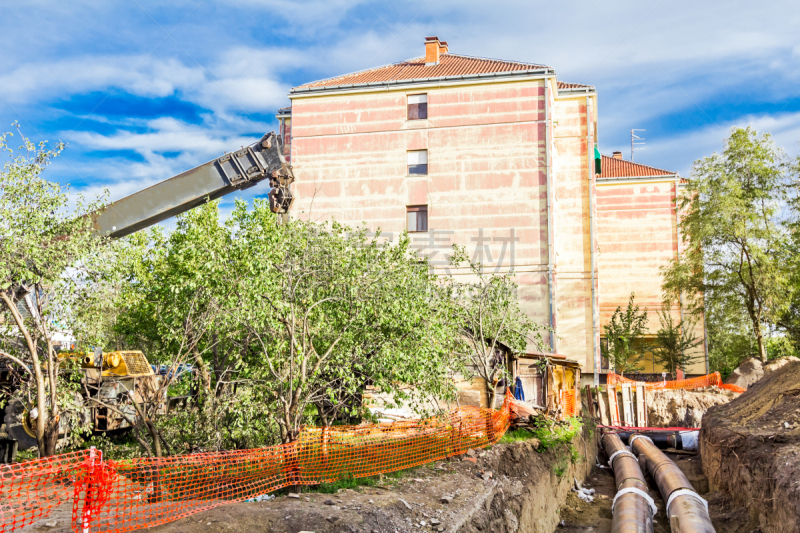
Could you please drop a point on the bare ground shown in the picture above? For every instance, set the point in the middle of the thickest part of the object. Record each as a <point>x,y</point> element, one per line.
<point>683,408</point>
<point>751,449</point>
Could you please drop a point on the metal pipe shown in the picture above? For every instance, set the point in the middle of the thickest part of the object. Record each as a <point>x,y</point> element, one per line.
<point>551,219</point>
<point>633,509</point>
<point>590,141</point>
<point>686,510</point>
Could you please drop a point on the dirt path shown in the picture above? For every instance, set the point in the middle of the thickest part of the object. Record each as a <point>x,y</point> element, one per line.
<point>595,517</point>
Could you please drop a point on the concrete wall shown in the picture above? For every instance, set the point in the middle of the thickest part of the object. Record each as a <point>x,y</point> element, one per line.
<point>572,239</point>
<point>637,236</point>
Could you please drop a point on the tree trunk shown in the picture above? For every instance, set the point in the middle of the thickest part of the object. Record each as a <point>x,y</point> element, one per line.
<point>49,438</point>
<point>762,350</point>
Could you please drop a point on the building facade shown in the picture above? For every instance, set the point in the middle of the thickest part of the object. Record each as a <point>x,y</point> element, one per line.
<point>637,236</point>
<point>496,156</point>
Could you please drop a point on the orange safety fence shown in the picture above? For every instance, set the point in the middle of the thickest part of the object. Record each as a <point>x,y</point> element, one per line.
<point>119,496</point>
<point>710,380</point>
<point>568,400</point>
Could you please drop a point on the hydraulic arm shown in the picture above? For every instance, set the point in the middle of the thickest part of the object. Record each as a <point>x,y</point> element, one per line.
<point>233,171</point>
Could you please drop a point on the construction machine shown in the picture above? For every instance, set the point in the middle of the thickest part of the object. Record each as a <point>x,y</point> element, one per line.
<point>112,381</point>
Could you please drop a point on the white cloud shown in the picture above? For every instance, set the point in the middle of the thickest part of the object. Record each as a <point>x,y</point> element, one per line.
<point>690,146</point>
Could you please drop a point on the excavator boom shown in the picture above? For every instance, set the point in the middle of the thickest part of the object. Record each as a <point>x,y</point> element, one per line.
<point>233,171</point>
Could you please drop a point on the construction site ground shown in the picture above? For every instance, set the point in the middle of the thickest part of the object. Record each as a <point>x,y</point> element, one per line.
<point>578,515</point>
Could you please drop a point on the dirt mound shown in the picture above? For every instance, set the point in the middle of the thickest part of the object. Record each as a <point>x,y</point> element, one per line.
<point>682,408</point>
<point>751,449</point>
<point>747,373</point>
<point>776,364</point>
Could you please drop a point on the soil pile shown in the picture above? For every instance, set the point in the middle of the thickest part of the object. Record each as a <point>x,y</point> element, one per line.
<point>747,373</point>
<point>776,364</point>
<point>682,408</point>
<point>751,449</point>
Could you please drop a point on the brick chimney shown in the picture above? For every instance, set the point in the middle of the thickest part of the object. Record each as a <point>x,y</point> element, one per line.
<point>617,155</point>
<point>442,47</point>
<point>432,49</point>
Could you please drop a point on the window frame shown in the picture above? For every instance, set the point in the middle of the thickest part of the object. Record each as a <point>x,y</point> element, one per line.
<point>412,170</point>
<point>416,209</point>
<point>416,108</point>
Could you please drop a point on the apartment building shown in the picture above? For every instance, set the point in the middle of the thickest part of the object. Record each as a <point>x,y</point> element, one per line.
<point>495,155</point>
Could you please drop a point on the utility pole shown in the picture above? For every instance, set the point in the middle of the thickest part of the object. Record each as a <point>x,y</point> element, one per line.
<point>636,141</point>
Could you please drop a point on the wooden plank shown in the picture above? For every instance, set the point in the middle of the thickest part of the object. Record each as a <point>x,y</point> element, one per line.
<point>627,405</point>
<point>601,406</point>
<point>590,401</point>
<point>613,409</point>
<point>641,405</point>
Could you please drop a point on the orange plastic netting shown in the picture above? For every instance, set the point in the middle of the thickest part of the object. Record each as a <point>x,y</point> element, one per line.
<point>118,496</point>
<point>711,380</point>
<point>568,403</point>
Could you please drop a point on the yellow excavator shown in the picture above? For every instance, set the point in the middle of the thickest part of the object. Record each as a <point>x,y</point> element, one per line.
<point>114,378</point>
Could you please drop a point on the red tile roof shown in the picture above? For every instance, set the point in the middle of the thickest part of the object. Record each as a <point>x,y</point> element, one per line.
<point>619,168</point>
<point>563,85</point>
<point>412,69</point>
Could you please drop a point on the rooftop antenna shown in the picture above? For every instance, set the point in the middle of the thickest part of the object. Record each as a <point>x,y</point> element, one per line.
<point>636,141</point>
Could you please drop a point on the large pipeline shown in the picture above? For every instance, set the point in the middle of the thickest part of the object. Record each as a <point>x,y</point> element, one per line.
<point>686,510</point>
<point>633,508</point>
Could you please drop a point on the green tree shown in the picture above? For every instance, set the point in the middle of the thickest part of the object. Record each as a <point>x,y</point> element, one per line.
<point>281,322</point>
<point>674,343</point>
<point>788,320</point>
<point>46,247</point>
<point>730,335</point>
<point>330,310</point>
<point>736,243</point>
<point>623,335</point>
<point>491,321</point>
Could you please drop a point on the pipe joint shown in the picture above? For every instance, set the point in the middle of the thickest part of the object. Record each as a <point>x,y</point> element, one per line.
<point>638,492</point>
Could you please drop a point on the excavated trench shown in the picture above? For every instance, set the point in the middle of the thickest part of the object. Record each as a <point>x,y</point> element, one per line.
<point>726,516</point>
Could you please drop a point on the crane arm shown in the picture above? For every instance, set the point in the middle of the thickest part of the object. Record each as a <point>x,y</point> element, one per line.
<point>233,171</point>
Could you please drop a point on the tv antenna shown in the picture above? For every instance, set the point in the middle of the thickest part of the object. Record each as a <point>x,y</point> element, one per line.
<point>636,141</point>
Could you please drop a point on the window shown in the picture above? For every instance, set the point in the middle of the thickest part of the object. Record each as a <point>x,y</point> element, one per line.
<point>417,216</point>
<point>418,162</point>
<point>417,106</point>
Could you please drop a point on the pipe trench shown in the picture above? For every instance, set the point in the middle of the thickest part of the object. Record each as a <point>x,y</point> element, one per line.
<point>686,510</point>
<point>633,509</point>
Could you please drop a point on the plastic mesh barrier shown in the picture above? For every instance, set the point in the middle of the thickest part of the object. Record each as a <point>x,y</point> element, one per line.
<point>119,496</point>
<point>30,491</point>
<point>710,380</point>
<point>568,401</point>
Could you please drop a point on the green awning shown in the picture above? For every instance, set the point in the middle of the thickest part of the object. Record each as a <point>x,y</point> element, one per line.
<point>598,160</point>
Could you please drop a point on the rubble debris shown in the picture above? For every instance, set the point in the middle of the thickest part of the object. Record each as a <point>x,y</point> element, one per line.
<point>681,407</point>
<point>747,373</point>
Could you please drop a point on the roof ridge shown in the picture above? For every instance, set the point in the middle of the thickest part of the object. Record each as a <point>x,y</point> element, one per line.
<point>499,60</point>
<point>368,69</point>
<point>618,163</point>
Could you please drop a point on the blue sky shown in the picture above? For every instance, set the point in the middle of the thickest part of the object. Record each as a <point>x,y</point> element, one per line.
<point>142,90</point>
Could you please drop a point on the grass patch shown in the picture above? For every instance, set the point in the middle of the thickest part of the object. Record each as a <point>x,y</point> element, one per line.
<point>574,455</point>
<point>561,466</point>
<point>347,481</point>
<point>517,435</point>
